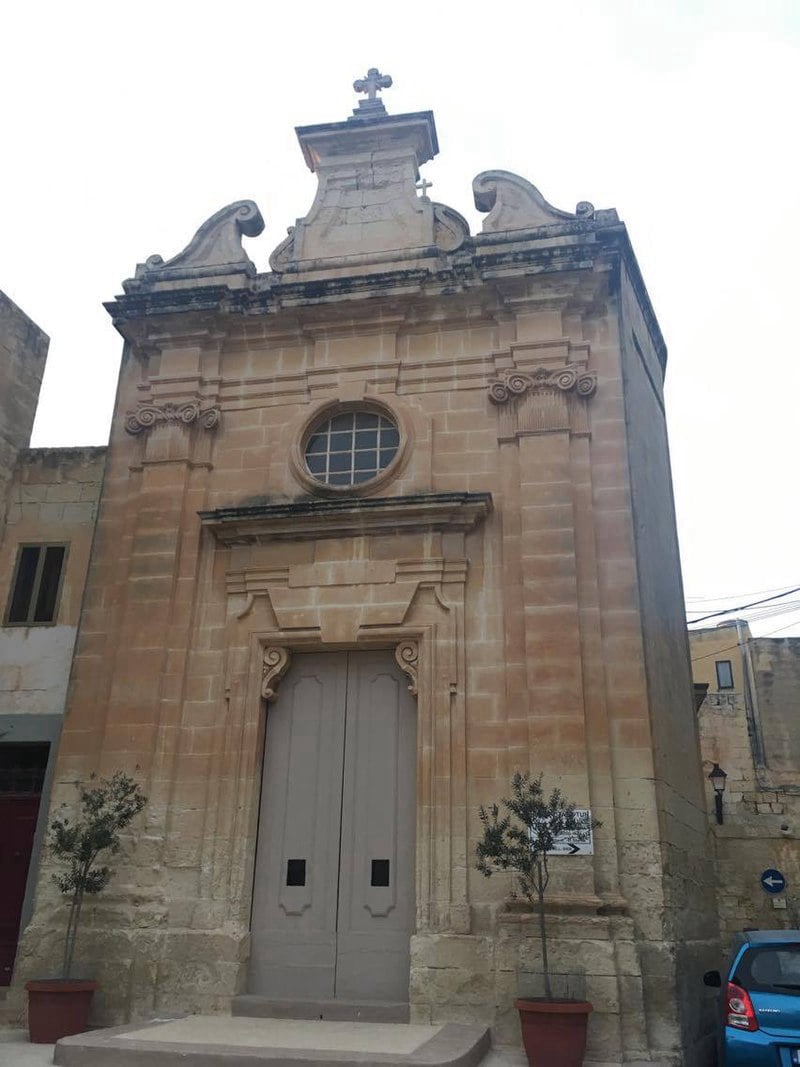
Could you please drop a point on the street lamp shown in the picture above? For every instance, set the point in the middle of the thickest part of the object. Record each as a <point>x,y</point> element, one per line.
<point>717,778</point>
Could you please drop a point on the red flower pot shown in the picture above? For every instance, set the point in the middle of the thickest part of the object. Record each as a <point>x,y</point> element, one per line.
<point>57,1008</point>
<point>554,1031</point>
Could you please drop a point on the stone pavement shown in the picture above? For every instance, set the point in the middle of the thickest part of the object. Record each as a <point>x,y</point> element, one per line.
<point>17,1051</point>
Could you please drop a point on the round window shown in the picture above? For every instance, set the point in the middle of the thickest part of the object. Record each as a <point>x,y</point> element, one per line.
<point>351,448</point>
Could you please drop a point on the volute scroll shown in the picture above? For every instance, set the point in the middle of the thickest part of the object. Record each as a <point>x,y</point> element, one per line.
<point>276,664</point>
<point>407,656</point>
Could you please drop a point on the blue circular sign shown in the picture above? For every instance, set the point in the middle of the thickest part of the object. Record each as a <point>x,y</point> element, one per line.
<point>773,881</point>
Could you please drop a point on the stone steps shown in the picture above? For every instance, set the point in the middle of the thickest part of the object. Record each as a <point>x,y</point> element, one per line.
<point>218,1041</point>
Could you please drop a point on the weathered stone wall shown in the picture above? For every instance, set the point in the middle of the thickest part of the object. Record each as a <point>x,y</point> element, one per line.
<point>776,671</point>
<point>23,352</point>
<point>681,849</point>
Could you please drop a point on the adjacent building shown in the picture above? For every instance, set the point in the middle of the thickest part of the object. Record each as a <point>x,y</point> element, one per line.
<point>749,723</point>
<point>48,505</point>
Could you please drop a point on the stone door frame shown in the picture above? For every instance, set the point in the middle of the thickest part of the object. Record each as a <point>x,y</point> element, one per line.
<point>441,831</point>
<point>432,655</point>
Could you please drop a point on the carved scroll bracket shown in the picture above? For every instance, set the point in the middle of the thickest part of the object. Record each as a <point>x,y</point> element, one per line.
<point>572,378</point>
<point>407,656</point>
<point>147,416</point>
<point>276,663</point>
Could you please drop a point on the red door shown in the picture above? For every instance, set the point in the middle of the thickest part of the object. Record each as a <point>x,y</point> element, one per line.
<point>17,827</point>
<point>22,768</point>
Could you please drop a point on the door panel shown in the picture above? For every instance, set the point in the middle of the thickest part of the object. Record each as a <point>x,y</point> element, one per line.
<point>333,899</point>
<point>17,827</point>
<point>376,880</point>
<point>294,899</point>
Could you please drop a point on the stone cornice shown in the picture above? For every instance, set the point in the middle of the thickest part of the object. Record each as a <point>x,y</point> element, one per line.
<point>312,519</point>
<point>577,246</point>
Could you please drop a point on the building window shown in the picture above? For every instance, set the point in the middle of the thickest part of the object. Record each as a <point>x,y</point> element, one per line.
<point>22,768</point>
<point>36,586</point>
<point>351,448</point>
<point>724,674</point>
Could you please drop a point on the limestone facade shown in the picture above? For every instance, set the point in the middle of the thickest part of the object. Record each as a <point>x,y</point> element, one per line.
<point>749,728</point>
<point>518,553</point>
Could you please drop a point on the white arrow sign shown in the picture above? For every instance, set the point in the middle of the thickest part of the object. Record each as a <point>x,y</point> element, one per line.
<point>570,844</point>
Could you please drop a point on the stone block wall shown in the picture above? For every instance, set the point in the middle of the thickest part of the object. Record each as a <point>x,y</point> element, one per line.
<point>53,497</point>
<point>23,352</point>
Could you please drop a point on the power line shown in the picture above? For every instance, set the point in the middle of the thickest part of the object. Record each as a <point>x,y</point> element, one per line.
<point>728,648</point>
<point>743,607</point>
<point>732,596</point>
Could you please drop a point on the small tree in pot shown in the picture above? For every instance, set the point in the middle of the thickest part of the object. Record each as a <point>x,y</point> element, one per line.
<point>520,840</point>
<point>59,1007</point>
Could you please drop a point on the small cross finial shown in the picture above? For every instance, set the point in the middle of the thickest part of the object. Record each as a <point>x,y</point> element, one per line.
<point>373,83</point>
<point>424,186</point>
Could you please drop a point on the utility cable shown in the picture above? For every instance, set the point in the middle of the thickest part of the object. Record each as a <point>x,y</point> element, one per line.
<point>743,607</point>
<point>733,596</point>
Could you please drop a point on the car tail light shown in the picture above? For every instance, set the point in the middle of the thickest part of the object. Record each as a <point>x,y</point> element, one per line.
<point>739,1011</point>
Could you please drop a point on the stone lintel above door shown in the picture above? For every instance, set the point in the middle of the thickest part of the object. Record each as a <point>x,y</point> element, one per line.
<point>314,519</point>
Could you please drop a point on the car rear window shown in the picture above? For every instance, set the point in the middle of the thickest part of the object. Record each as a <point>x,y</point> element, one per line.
<point>773,968</point>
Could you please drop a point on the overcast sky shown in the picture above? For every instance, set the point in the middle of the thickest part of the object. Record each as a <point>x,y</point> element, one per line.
<point>127,125</point>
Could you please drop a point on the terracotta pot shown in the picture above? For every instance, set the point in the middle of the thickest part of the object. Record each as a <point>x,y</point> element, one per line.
<point>58,1007</point>
<point>554,1031</point>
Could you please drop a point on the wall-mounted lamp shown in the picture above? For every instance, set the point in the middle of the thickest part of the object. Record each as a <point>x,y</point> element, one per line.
<point>717,778</point>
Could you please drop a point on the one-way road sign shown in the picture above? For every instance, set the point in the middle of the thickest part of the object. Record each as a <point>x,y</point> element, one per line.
<point>773,881</point>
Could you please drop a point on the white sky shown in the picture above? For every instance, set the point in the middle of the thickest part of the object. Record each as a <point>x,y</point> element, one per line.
<point>126,125</point>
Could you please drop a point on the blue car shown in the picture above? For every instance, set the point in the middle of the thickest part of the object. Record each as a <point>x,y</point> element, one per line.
<point>760,1000</point>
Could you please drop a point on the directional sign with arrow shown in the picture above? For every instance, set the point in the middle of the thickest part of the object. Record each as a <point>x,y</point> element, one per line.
<point>773,881</point>
<point>570,846</point>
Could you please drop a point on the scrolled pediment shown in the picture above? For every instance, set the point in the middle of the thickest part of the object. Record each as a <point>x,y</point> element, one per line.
<point>514,203</point>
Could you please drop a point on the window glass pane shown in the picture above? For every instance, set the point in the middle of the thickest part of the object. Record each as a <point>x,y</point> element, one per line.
<point>341,442</point>
<point>770,970</point>
<point>390,438</point>
<point>316,464</point>
<point>22,767</point>
<point>342,422</point>
<point>366,439</point>
<point>23,586</point>
<point>724,674</point>
<point>340,479</point>
<point>366,420</point>
<point>340,461</point>
<point>363,476</point>
<point>367,460</point>
<point>387,455</point>
<point>318,443</point>
<point>48,584</point>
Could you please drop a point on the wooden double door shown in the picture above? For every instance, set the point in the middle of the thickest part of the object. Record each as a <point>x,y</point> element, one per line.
<point>333,898</point>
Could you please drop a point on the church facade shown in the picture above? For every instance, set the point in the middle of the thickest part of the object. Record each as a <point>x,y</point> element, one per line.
<point>379,528</point>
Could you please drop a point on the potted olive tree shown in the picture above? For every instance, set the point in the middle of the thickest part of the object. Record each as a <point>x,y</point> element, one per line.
<point>520,840</point>
<point>58,1007</point>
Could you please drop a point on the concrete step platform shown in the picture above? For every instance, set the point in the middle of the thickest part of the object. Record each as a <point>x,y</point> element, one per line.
<point>221,1041</point>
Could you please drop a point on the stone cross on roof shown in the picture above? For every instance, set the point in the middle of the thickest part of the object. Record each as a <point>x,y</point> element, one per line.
<point>373,83</point>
